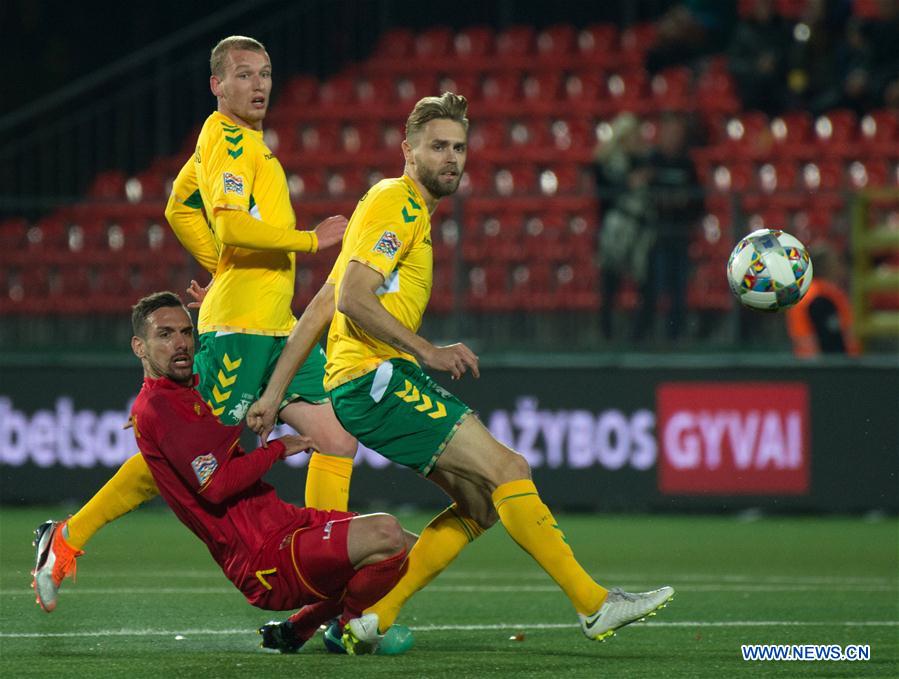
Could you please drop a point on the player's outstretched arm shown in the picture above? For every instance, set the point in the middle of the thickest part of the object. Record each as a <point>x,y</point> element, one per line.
<point>262,414</point>
<point>239,229</point>
<point>359,301</point>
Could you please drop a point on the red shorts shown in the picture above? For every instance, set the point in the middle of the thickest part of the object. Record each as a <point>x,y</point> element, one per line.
<point>303,565</point>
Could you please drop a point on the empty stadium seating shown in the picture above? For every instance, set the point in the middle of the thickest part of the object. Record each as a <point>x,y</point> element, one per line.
<point>526,235</point>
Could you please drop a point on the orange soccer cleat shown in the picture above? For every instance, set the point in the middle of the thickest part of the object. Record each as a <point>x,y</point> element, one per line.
<point>54,561</point>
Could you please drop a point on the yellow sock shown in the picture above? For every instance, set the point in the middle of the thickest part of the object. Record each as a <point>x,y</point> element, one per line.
<point>439,543</point>
<point>328,481</point>
<point>131,486</point>
<point>532,526</point>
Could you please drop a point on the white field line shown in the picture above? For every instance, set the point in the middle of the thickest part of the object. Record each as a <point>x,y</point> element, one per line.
<point>695,624</point>
<point>72,590</point>
<point>602,576</point>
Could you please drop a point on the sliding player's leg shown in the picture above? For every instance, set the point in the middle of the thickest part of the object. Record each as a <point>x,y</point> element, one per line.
<point>342,565</point>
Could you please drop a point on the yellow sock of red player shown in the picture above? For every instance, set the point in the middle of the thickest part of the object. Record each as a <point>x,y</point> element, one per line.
<point>328,481</point>
<point>439,543</point>
<point>131,486</point>
<point>532,526</point>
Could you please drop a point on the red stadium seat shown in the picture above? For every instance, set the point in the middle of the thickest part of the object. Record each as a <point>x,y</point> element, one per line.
<point>501,87</point>
<point>318,137</point>
<point>778,177</point>
<point>514,179</point>
<point>338,93</point>
<point>394,44</point>
<point>493,236</point>
<point>466,84</point>
<point>880,133</point>
<point>473,43</point>
<point>835,133</point>
<point>109,185</point>
<point>792,134</point>
<point>299,92</point>
<point>13,235</point>
<point>868,173</point>
<point>636,41</point>
<point>515,42</point>
<point>556,41</point>
<point>542,86</point>
<point>433,43</point>
<point>825,176</point>
<point>598,45</point>
<point>488,288</point>
<point>487,134</point>
<point>584,87</point>
<point>672,88</point>
<point>410,88</point>
<point>561,179</point>
<point>715,93</point>
<point>628,90</point>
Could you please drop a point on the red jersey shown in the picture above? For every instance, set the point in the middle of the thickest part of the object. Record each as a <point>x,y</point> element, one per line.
<point>213,487</point>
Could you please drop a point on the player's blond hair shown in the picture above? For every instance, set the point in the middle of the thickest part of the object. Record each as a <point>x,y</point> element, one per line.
<point>232,42</point>
<point>447,106</point>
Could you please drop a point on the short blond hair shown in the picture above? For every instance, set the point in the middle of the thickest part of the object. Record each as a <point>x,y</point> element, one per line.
<point>225,45</point>
<point>447,106</point>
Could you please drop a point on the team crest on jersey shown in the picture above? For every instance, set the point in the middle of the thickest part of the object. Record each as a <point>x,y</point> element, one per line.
<point>388,245</point>
<point>233,183</point>
<point>204,466</point>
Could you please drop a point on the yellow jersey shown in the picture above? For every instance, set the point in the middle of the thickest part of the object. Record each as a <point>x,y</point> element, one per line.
<point>390,231</point>
<point>233,169</point>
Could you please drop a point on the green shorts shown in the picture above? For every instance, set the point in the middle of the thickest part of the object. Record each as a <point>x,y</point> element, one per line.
<point>234,369</point>
<point>400,412</point>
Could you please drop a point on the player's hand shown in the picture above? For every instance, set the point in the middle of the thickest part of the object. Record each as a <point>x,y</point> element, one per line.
<point>455,359</point>
<point>198,292</point>
<point>261,418</point>
<point>330,231</point>
<point>295,443</point>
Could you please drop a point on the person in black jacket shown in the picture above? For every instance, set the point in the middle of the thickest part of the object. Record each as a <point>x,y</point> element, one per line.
<point>676,199</point>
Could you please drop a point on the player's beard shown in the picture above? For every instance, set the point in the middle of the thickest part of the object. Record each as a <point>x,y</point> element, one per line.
<point>431,181</point>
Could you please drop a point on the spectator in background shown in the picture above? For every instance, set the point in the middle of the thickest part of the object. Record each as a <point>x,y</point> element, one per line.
<point>822,322</point>
<point>812,56</point>
<point>691,29</point>
<point>757,58</point>
<point>676,198</point>
<point>882,36</point>
<point>622,179</point>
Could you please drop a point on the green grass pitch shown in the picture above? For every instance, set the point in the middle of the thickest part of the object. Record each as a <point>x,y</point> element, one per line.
<point>150,602</point>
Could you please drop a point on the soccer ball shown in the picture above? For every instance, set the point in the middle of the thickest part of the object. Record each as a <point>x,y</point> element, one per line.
<point>769,270</point>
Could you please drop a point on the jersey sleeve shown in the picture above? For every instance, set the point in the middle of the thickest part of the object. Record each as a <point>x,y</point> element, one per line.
<point>386,234</point>
<point>184,213</point>
<point>200,450</point>
<point>231,166</point>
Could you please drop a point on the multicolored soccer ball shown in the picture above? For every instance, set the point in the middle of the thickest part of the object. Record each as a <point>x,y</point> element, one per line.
<point>769,270</point>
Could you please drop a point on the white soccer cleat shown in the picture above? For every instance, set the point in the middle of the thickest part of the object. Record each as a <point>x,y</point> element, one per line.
<point>622,608</point>
<point>361,636</point>
<point>54,561</point>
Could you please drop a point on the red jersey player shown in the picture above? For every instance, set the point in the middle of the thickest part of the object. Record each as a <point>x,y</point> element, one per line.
<point>278,555</point>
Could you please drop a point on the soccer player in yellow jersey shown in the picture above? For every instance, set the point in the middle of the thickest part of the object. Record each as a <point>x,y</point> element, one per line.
<point>230,207</point>
<point>374,299</point>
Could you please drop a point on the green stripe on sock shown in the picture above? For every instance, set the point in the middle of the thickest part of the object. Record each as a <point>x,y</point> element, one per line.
<point>512,497</point>
<point>471,536</point>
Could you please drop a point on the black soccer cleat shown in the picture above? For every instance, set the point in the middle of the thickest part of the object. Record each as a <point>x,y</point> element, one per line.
<point>280,636</point>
